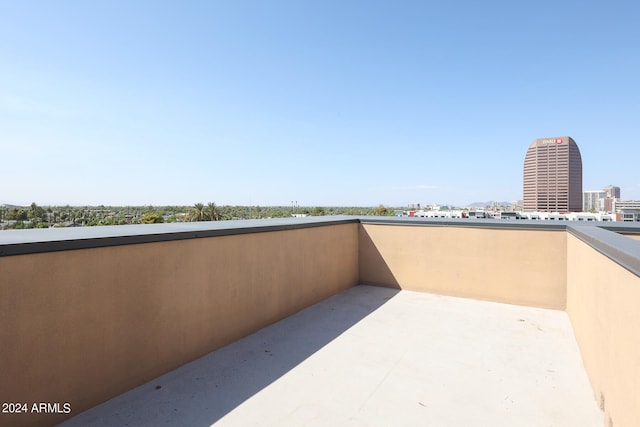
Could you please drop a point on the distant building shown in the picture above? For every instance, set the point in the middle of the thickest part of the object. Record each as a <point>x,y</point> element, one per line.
<point>593,201</point>
<point>626,210</point>
<point>628,215</point>
<point>600,200</point>
<point>553,176</point>
<point>611,191</point>
<point>620,205</point>
<point>612,194</point>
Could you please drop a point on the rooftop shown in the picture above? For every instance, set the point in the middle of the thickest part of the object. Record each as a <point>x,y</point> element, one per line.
<point>377,356</point>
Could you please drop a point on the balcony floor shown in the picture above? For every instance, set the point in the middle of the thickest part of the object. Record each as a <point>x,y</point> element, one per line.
<point>376,356</point>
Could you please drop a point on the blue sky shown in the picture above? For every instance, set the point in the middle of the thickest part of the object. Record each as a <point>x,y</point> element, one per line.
<point>319,102</point>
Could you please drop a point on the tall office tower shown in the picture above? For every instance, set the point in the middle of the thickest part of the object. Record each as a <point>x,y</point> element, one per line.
<point>553,176</point>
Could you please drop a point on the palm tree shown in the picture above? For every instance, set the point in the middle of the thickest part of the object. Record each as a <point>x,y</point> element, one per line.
<point>212,212</point>
<point>197,212</point>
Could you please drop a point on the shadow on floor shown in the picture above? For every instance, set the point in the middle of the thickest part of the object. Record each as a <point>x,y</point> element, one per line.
<point>203,391</point>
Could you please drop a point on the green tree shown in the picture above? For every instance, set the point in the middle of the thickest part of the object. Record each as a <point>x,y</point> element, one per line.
<point>36,213</point>
<point>12,214</point>
<point>211,212</point>
<point>317,211</point>
<point>151,218</point>
<point>22,215</point>
<point>380,210</point>
<point>197,212</point>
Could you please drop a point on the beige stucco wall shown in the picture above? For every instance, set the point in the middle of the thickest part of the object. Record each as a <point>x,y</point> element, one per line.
<point>83,326</point>
<point>525,267</point>
<point>633,236</point>
<point>602,303</point>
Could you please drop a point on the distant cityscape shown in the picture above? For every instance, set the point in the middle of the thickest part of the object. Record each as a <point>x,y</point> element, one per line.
<point>36,216</point>
<point>552,190</point>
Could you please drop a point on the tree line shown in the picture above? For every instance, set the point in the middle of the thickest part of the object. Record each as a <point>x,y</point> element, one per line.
<point>35,216</point>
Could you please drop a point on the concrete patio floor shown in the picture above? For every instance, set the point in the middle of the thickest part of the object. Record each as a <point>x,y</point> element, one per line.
<point>373,356</point>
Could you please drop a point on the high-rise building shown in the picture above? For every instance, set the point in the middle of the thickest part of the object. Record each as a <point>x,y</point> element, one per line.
<point>593,201</point>
<point>600,200</point>
<point>553,176</point>
<point>612,196</point>
<point>612,191</point>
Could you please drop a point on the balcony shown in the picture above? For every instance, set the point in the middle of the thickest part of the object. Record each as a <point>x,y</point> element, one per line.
<point>315,321</point>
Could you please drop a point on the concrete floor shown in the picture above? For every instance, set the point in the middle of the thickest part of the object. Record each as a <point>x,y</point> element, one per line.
<point>378,357</point>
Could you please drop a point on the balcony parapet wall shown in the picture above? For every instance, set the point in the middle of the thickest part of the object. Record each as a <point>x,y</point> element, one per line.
<point>87,314</point>
<point>32,241</point>
<point>613,240</point>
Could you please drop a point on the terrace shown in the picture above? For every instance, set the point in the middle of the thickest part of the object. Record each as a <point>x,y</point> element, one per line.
<point>327,320</point>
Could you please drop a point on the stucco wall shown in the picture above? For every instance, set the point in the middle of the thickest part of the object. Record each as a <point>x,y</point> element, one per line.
<point>515,266</point>
<point>85,325</point>
<point>602,303</point>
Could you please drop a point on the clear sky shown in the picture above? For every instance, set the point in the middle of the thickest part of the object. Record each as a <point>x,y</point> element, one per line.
<point>320,102</point>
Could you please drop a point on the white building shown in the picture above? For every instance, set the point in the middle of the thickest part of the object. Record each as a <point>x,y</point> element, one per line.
<point>619,205</point>
<point>593,200</point>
